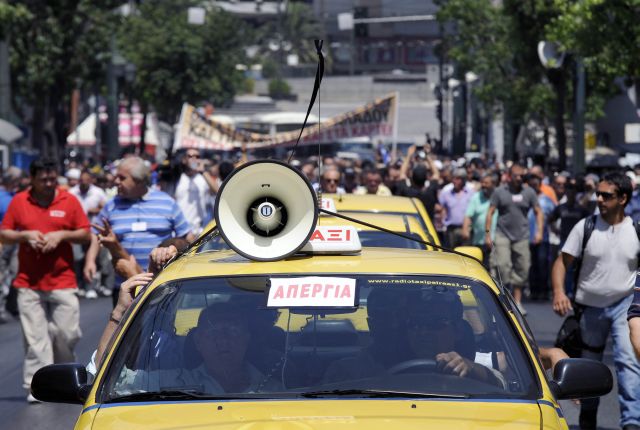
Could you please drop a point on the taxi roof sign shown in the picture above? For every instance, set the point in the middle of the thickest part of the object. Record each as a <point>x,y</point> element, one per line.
<point>327,204</point>
<point>333,240</point>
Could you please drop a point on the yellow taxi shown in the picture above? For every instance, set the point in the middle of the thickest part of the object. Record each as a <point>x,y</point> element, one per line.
<point>405,224</point>
<point>410,206</point>
<point>305,328</point>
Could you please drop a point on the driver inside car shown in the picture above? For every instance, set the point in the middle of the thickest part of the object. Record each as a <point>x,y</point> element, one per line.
<point>439,336</point>
<point>412,331</point>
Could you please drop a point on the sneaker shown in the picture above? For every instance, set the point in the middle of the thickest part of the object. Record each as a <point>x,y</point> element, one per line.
<point>80,292</point>
<point>104,291</point>
<point>91,294</point>
<point>32,399</point>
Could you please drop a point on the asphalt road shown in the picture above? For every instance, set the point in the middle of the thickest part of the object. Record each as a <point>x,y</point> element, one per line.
<point>17,414</point>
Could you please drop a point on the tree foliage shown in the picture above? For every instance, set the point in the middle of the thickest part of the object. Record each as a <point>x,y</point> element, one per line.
<point>177,62</point>
<point>606,35</point>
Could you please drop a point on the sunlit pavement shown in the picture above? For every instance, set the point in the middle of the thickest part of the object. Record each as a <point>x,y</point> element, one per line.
<point>16,413</point>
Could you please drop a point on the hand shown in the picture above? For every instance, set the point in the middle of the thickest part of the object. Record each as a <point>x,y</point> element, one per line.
<point>34,238</point>
<point>106,236</point>
<point>537,239</point>
<point>454,364</point>
<point>487,240</point>
<point>128,291</point>
<point>89,270</point>
<point>51,240</point>
<point>160,256</point>
<point>412,150</point>
<point>561,304</point>
<point>465,234</point>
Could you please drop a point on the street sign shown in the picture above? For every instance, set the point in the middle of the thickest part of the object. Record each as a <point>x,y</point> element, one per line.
<point>632,133</point>
<point>345,21</point>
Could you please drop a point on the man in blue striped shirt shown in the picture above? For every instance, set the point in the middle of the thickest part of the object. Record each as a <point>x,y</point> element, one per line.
<point>140,217</point>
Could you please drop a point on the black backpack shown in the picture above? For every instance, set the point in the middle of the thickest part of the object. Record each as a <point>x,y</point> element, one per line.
<point>569,337</point>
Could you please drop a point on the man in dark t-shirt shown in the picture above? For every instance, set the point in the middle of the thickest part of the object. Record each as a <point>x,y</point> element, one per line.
<point>511,246</point>
<point>426,192</point>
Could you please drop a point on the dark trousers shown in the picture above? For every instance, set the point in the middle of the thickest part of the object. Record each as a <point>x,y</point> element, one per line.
<point>539,273</point>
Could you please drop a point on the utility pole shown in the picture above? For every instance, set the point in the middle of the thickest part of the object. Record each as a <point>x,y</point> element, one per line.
<point>5,81</point>
<point>578,120</point>
<point>441,87</point>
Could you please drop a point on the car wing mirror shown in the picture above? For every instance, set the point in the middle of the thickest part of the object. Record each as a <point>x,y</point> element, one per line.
<point>61,383</point>
<point>581,378</point>
<point>472,251</point>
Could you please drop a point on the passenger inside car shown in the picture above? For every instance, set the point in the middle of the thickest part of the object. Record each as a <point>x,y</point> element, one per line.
<point>221,338</point>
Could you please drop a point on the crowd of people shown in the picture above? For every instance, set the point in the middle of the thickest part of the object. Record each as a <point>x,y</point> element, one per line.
<point>92,227</point>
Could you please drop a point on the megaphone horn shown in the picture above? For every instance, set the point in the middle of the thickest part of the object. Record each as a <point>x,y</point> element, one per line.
<point>266,210</point>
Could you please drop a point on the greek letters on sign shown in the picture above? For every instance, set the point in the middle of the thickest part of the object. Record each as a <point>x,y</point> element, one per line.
<point>312,291</point>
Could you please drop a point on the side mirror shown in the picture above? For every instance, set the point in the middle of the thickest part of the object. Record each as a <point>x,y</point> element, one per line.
<point>472,251</point>
<point>581,378</point>
<point>61,383</point>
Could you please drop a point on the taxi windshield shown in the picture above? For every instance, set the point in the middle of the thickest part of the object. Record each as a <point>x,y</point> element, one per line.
<point>233,337</point>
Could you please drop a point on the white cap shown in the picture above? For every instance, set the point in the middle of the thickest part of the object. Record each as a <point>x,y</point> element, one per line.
<point>73,173</point>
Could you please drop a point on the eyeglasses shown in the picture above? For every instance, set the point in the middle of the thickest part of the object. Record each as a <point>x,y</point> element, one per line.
<point>434,323</point>
<point>331,181</point>
<point>605,195</point>
<point>193,155</point>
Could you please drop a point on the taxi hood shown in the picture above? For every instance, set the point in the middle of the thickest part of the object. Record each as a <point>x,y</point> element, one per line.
<point>319,414</point>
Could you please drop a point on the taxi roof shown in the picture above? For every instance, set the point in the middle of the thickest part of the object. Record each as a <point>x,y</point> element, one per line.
<point>394,222</point>
<point>372,203</point>
<point>379,261</point>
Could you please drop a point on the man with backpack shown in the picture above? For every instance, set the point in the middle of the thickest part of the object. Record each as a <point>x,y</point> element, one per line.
<point>606,247</point>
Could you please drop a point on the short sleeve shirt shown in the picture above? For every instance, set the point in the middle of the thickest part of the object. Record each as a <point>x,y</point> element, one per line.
<point>512,211</point>
<point>609,263</point>
<point>477,212</point>
<point>53,270</point>
<point>141,225</point>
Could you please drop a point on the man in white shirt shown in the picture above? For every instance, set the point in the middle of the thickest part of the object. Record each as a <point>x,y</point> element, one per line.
<point>194,189</point>
<point>92,199</point>
<point>604,293</point>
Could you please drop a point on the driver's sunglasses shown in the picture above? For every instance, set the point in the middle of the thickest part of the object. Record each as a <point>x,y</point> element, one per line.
<point>605,195</point>
<point>432,323</point>
<point>331,181</point>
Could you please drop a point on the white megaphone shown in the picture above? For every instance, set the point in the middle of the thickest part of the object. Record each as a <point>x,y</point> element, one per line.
<point>266,210</point>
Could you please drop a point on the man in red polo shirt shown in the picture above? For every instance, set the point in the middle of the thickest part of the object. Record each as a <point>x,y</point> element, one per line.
<point>45,220</point>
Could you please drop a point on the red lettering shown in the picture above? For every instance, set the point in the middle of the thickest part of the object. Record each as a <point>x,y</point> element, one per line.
<point>292,291</point>
<point>317,288</point>
<point>327,288</point>
<point>348,235</point>
<point>317,235</point>
<point>304,291</point>
<point>279,293</point>
<point>334,235</point>
<point>337,293</point>
<point>346,292</point>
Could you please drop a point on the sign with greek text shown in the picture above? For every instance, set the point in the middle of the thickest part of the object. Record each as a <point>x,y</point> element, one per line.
<point>311,292</point>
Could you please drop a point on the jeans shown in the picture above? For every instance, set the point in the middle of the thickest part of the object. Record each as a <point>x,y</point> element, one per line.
<point>596,324</point>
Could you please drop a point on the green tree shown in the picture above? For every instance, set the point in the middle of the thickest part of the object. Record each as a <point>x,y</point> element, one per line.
<point>498,42</point>
<point>54,44</point>
<point>606,35</point>
<point>177,62</point>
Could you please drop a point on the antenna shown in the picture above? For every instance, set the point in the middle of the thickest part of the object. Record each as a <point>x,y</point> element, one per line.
<point>316,87</point>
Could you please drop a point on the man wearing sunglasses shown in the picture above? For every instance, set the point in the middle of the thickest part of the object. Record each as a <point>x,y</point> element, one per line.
<point>604,293</point>
<point>330,181</point>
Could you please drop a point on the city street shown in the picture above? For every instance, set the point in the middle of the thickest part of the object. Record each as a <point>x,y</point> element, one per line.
<point>16,413</point>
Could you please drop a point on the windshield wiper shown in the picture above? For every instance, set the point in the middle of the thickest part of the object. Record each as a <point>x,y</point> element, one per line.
<point>383,394</point>
<point>176,395</point>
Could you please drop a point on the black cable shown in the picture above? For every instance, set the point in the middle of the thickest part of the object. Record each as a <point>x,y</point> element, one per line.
<point>316,87</point>
<point>424,242</point>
